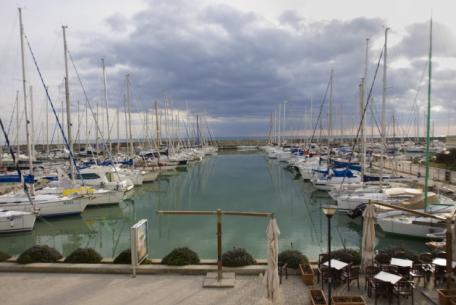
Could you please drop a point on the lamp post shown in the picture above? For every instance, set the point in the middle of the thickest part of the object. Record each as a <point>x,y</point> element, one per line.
<point>329,212</point>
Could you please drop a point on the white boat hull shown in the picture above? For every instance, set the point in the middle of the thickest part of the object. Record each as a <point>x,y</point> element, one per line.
<point>102,197</point>
<point>12,221</point>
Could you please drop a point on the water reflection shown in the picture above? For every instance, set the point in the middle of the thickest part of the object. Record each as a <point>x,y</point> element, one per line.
<point>239,182</point>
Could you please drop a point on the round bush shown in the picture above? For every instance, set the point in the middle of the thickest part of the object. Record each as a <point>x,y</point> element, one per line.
<point>124,257</point>
<point>382,258</point>
<point>181,257</point>
<point>4,256</point>
<point>39,254</point>
<point>84,256</point>
<point>292,258</point>
<point>349,256</point>
<point>237,257</point>
<point>400,252</point>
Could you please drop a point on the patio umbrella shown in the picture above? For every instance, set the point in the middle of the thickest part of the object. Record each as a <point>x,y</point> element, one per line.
<point>368,242</point>
<point>272,273</point>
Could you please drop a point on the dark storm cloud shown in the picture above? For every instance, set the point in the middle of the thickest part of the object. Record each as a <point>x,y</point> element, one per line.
<point>236,64</point>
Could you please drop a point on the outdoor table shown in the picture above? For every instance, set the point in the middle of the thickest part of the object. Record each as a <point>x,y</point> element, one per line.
<point>400,262</point>
<point>336,264</point>
<point>390,279</point>
<point>442,262</point>
<point>387,277</point>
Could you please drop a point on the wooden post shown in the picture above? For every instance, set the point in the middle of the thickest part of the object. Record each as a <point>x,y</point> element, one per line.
<point>229,282</point>
<point>219,245</point>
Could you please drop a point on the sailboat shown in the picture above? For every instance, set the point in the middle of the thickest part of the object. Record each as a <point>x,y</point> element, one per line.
<point>45,205</point>
<point>399,222</point>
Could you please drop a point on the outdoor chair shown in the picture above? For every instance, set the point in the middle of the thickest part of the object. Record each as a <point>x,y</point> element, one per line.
<point>439,274</point>
<point>425,258</point>
<point>283,269</point>
<point>400,254</point>
<point>404,272</point>
<point>403,288</point>
<point>441,254</point>
<point>389,269</point>
<point>419,272</point>
<point>322,257</point>
<point>349,274</point>
<point>325,274</point>
<point>382,289</point>
<point>370,272</point>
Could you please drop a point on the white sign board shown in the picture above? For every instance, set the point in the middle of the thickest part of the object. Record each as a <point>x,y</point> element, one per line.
<point>139,245</point>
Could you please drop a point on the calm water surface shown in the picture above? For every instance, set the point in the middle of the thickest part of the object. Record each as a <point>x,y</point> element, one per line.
<point>235,182</point>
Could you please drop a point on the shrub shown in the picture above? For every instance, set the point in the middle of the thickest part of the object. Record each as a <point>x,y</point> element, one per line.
<point>237,257</point>
<point>382,258</point>
<point>84,256</point>
<point>400,252</point>
<point>349,256</point>
<point>124,257</point>
<point>181,257</point>
<point>39,254</point>
<point>4,256</point>
<point>292,258</point>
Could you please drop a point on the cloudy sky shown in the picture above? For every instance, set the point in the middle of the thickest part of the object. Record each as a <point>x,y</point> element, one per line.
<point>236,61</point>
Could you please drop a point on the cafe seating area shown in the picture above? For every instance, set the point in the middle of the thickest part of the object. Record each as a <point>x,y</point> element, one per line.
<point>392,278</point>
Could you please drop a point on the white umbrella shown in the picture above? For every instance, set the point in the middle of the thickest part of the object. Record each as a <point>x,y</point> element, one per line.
<point>272,273</point>
<point>368,242</point>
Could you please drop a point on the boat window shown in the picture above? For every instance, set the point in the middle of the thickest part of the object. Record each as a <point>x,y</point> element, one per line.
<point>88,176</point>
<point>109,177</point>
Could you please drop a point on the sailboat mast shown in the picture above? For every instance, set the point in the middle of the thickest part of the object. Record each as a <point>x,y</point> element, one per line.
<point>126,123</point>
<point>118,130</point>
<point>330,110</point>
<point>106,103</point>
<point>280,128</point>
<point>47,126</point>
<point>86,124</point>
<point>18,148</point>
<point>32,130</point>
<point>385,53</point>
<point>24,90</point>
<point>67,100</point>
<point>284,113</point>
<point>363,116</point>
<point>129,114</point>
<point>311,121</point>
<point>428,122</point>
<point>96,131</point>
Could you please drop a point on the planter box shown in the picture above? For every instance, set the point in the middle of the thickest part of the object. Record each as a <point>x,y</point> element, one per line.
<point>348,300</point>
<point>317,297</point>
<point>307,274</point>
<point>445,295</point>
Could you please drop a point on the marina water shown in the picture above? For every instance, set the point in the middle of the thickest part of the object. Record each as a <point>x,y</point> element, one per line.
<point>229,181</point>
